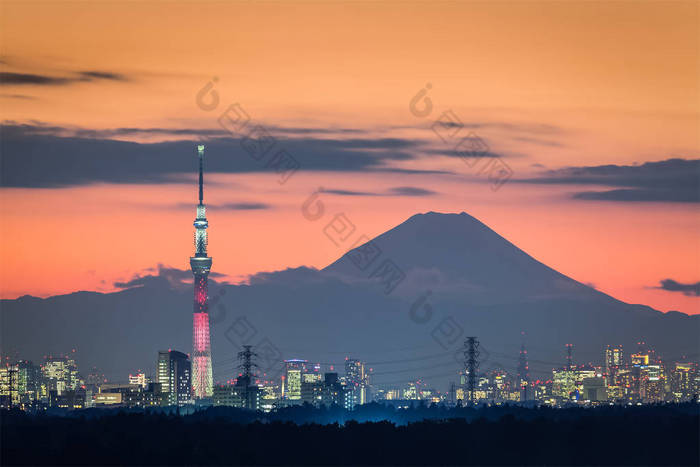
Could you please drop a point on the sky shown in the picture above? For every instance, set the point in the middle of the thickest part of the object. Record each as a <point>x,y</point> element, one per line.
<point>590,108</point>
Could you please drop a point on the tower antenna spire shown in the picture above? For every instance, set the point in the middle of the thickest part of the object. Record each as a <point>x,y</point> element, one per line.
<point>200,152</point>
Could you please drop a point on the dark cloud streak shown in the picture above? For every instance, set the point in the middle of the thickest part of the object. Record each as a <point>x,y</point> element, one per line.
<point>8,78</point>
<point>35,156</point>
<point>242,206</point>
<point>671,180</point>
<point>411,191</point>
<point>691,290</point>
<point>394,191</point>
<point>162,275</point>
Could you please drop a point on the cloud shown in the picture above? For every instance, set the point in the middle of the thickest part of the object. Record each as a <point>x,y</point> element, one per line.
<point>538,141</point>
<point>350,193</point>
<point>8,78</point>
<point>96,75</point>
<point>654,195</point>
<point>672,180</point>
<point>162,275</point>
<point>395,191</point>
<point>530,128</point>
<point>411,191</point>
<point>691,290</point>
<point>288,277</point>
<point>242,206</point>
<point>37,155</point>
<point>236,206</point>
<point>17,96</point>
<point>169,133</point>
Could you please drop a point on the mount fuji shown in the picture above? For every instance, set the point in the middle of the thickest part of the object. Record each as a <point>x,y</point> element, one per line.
<point>403,302</point>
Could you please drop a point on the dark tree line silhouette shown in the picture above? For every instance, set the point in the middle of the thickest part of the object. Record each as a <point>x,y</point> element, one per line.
<point>373,435</point>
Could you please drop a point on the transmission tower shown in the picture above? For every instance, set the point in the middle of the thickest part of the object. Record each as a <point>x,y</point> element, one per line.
<point>246,387</point>
<point>246,356</point>
<point>523,371</point>
<point>569,357</point>
<point>471,363</point>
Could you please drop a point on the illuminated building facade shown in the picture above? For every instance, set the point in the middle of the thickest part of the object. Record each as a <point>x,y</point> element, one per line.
<point>7,386</point>
<point>357,380</point>
<point>61,374</point>
<point>238,395</point>
<point>139,379</point>
<point>202,377</point>
<point>563,383</point>
<point>22,383</point>
<point>294,371</point>
<point>614,361</point>
<point>684,381</point>
<point>173,374</point>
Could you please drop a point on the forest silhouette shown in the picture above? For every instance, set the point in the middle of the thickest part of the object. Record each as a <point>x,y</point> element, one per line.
<point>372,435</point>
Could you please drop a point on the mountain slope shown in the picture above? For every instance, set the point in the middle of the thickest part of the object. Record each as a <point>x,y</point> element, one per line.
<point>459,255</point>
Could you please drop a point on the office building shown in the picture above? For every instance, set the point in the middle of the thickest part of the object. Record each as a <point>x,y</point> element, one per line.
<point>173,373</point>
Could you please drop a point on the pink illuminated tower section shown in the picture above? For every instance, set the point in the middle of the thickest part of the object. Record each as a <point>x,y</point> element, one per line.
<point>202,378</point>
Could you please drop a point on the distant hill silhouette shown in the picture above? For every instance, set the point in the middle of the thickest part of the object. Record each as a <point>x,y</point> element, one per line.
<point>457,278</point>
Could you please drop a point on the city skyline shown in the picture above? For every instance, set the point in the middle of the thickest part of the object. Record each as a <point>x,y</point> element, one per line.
<point>632,377</point>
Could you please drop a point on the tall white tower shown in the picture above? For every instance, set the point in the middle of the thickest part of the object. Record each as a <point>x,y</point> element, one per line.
<point>202,378</point>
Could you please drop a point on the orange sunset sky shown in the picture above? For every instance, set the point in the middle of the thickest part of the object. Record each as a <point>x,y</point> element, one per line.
<point>547,85</point>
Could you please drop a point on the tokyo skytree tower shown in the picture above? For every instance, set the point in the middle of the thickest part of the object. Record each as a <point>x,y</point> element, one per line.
<point>202,378</point>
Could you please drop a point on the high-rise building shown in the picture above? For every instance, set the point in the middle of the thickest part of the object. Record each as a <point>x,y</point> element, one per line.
<point>238,395</point>
<point>613,362</point>
<point>594,389</point>
<point>312,374</point>
<point>8,391</point>
<point>173,373</point>
<point>269,395</point>
<point>202,377</point>
<point>640,358</point>
<point>524,373</point>
<point>326,392</point>
<point>138,379</point>
<point>61,374</point>
<point>29,381</point>
<point>294,369</point>
<point>683,380</point>
<point>357,380</point>
<point>563,383</point>
<point>652,382</point>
